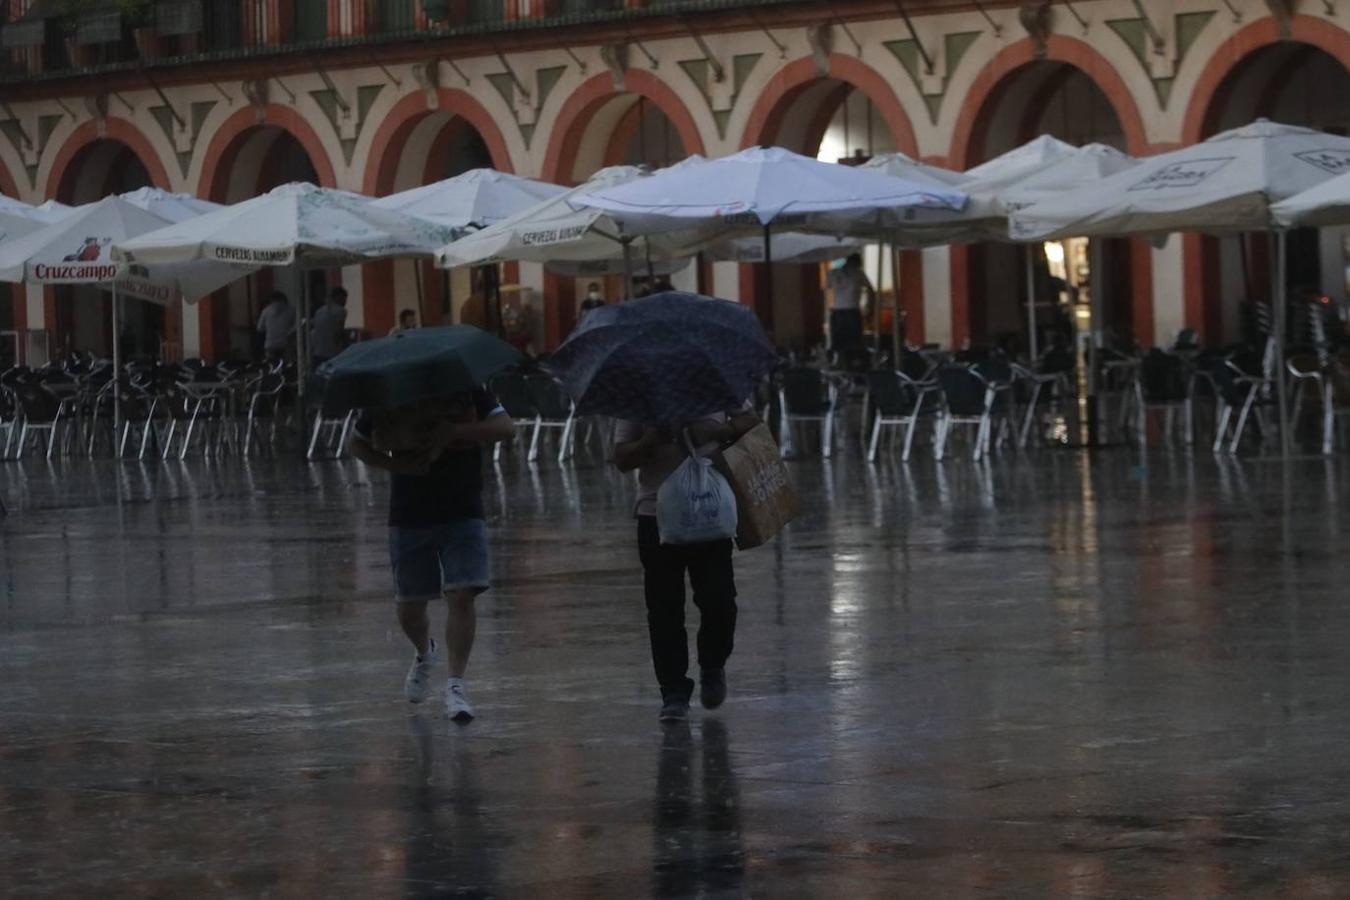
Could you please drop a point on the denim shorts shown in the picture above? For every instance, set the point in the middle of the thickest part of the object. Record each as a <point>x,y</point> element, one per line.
<point>430,561</point>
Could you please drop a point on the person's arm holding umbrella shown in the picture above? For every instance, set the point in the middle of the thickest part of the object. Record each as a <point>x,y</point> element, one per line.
<point>637,452</point>
<point>450,435</point>
<point>362,447</point>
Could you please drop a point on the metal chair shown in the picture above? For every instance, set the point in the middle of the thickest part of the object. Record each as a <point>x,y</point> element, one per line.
<point>807,395</point>
<point>329,436</point>
<point>512,390</point>
<point>1248,394</point>
<point>10,418</point>
<point>1329,385</point>
<point>1163,385</point>
<point>553,410</point>
<point>264,406</point>
<point>898,401</point>
<point>41,413</point>
<point>968,399</point>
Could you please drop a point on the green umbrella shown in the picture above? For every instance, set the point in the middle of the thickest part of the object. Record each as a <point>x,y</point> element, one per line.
<point>412,366</point>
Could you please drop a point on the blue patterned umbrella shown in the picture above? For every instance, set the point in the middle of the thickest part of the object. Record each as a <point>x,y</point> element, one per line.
<point>664,359</point>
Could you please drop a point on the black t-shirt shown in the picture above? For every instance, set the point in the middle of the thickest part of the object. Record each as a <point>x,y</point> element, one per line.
<point>451,491</point>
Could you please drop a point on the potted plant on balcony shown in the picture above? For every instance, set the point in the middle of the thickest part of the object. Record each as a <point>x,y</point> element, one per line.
<point>139,16</point>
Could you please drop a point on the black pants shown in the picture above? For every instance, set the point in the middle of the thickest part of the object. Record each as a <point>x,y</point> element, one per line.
<point>714,583</point>
<point>845,330</point>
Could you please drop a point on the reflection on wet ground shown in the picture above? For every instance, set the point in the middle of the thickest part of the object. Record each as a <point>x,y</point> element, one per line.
<point>1045,676</point>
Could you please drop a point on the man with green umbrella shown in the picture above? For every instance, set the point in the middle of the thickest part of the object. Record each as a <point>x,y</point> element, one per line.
<point>426,422</point>
<point>438,542</point>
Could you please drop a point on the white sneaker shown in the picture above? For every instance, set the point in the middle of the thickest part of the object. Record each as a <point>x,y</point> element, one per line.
<point>457,705</point>
<point>418,683</point>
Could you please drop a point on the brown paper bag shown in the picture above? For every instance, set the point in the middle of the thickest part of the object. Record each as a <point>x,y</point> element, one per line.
<point>765,498</point>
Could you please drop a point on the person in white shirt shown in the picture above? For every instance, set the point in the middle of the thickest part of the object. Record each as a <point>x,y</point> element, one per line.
<point>277,325</point>
<point>848,283</point>
<point>327,330</point>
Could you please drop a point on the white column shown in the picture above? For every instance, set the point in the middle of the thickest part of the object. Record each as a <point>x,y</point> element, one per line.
<point>37,308</point>
<point>192,331</point>
<point>726,281</point>
<point>937,296</point>
<point>1169,292</point>
<point>356,292</point>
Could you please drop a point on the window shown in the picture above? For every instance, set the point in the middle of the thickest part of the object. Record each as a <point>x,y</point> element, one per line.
<point>395,15</point>
<point>311,20</point>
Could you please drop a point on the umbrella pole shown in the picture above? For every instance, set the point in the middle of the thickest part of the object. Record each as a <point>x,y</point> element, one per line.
<point>896,340</point>
<point>117,365</point>
<point>301,366</point>
<point>421,298</point>
<point>627,243</point>
<point>1095,306</point>
<point>1281,310</point>
<point>876,296</point>
<point>1031,306</point>
<point>651,270</point>
<point>768,276</point>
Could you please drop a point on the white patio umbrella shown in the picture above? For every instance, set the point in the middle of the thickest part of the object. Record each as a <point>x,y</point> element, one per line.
<point>766,188</point>
<point>75,250</point>
<point>168,205</point>
<point>1083,167</point>
<point>548,231</point>
<point>786,247</point>
<point>1227,184</point>
<point>293,225</point>
<point>476,199</point>
<point>17,207</point>
<point>1324,205</point>
<point>568,240</point>
<point>18,218</point>
<point>763,187</point>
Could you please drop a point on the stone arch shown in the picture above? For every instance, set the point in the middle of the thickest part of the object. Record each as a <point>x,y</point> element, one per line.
<point>408,113</point>
<point>599,102</point>
<point>787,83</point>
<point>816,94</point>
<point>1200,264</point>
<point>970,132</point>
<point>235,130</point>
<point>580,108</point>
<point>409,148</point>
<point>111,129</point>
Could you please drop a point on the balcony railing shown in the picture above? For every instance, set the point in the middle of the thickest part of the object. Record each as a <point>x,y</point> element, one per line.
<point>111,34</point>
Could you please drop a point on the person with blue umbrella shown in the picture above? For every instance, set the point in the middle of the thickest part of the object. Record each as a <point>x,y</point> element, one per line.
<point>425,419</point>
<point>676,370</point>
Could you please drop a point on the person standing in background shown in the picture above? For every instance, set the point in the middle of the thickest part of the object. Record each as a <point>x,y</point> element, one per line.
<point>407,321</point>
<point>277,325</point>
<point>327,331</point>
<point>848,283</point>
<point>594,300</point>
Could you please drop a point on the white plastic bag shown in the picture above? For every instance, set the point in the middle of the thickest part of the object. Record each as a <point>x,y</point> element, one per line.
<point>695,505</point>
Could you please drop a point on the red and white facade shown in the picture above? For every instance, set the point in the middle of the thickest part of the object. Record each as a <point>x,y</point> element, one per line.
<point>954,84</point>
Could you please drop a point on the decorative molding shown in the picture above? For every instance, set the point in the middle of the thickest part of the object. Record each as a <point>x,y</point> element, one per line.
<point>954,49</point>
<point>1283,11</point>
<point>821,40</point>
<point>1187,30</point>
<point>427,76</point>
<point>97,107</point>
<point>256,92</point>
<point>1038,20</point>
<point>615,58</point>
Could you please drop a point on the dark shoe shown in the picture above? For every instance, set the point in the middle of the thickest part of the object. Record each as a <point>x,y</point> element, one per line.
<point>674,707</point>
<point>712,688</point>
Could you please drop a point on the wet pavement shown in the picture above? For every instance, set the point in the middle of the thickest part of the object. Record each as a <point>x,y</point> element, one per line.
<point>1054,676</point>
